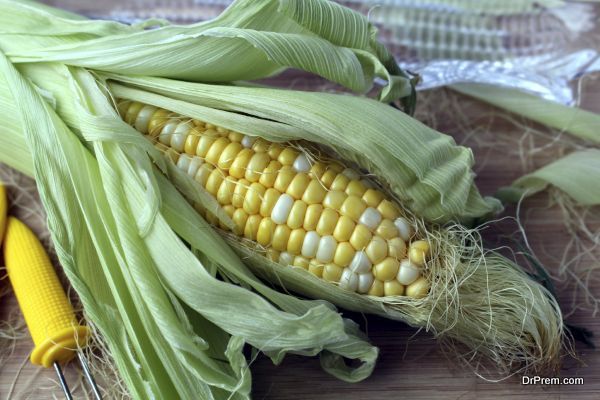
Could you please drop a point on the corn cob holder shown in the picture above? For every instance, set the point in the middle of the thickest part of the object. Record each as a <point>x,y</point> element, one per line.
<point>167,197</point>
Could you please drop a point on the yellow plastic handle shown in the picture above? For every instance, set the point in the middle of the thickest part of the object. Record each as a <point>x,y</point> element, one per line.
<point>48,313</point>
<point>3,208</point>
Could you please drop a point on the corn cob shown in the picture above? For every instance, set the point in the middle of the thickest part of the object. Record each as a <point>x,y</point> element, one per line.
<point>316,215</point>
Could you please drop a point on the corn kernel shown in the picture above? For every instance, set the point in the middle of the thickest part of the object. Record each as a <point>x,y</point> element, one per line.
<point>387,229</point>
<point>157,121</point>
<point>256,166</point>
<point>294,244</point>
<point>311,217</point>
<point>393,288</point>
<point>272,255</point>
<point>405,230</point>
<point>229,210</point>
<point>274,151</point>
<point>377,249</point>
<point>204,144</point>
<point>327,222</point>
<point>418,252</point>
<point>418,289</point>
<point>215,151</point>
<point>214,181</point>
<point>317,170</point>
<point>228,155</point>
<point>315,268</point>
<point>364,282</point>
<point>298,185</point>
<point>268,176</point>
<point>235,137</point>
<point>284,178</point>
<point>408,272</point>
<point>269,200</point>
<point>240,217</point>
<point>264,236</point>
<point>314,193</point>
<point>223,131</point>
<point>282,209</point>
<point>251,228</point>
<point>225,192</point>
<point>253,198</point>
<point>261,146</point>
<point>353,207</point>
<point>132,112</point>
<point>344,253</point>
<point>191,144</point>
<point>388,210</point>
<point>377,288</point>
<point>239,193</point>
<point>340,183</point>
<point>281,237</point>
<point>387,269</point>
<point>343,229</point>
<point>327,178</point>
<point>288,156</point>
<point>301,262</point>
<point>326,249</point>
<point>311,244</point>
<point>239,164</point>
<point>397,248</point>
<point>360,237</point>
<point>301,163</point>
<point>355,188</point>
<point>334,199</point>
<point>296,216</point>
<point>332,272</point>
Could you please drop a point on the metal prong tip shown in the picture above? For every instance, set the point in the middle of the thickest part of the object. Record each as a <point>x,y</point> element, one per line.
<point>88,376</point>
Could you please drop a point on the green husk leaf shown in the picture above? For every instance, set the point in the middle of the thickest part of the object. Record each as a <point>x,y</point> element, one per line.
<point>576,174</point>
<point>576,121</point>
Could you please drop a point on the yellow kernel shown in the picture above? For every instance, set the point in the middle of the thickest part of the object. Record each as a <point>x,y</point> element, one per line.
<point>275,150</point>
<point>377,249</point>
<point>272,255</point>
<point>239,193</point>
<point>387,269</point>
<point>418,252</point>
<point>251,228</point>
<point>418,289</point>
<point>132,112</point>
<point>239,164</point>
<point>215,151</point>
<point>264,235</point>
<point>344,253</point>
<point>360,237</point>
<point>253,198</point>
<point>377,288</point>
<point>288,156</point>
<point>298,185</point>
<point>204,145</point>
<point>317,170</point>
<point>284,177</point>
<point>281,237</point>
<point>191,144</point>
<point>229,209</point>
<point>157,121</point>
<point>343,229</point>
<point>328,177</point>
<point>240,217</point>
<point>393,288</point>
<point>225,192</point>
<point>387,229</point>
<point>270,198</point>
<point>337,168</point>
<point>214,181</point>
<point>203,173</point>
<point>296,217</point>
<point>212,218</point>
<point>199,124</point>
<point>296,240</point>
<point>315,268</point>
<point>301,262</point>
<point>353,207</point>
<point>334,199</point>
<point>256,166</point>
<point>355,188</point>
<point>340,182</point>
<point>228,155</point>
<point>235,136</point>
<point>332,272</point>
<point>311,218</point>
<point>261,146</point>
<point>397,248</point>
<point>327,222</point>
<point>314,193</point>
<point>388,210</point>
<point>372,197</point>
<point>268,176</point>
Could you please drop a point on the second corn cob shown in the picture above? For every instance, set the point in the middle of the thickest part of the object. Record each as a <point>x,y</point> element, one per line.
<point>317,215</point>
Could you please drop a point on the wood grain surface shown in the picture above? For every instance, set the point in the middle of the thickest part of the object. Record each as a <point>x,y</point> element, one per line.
<point>411,365</point>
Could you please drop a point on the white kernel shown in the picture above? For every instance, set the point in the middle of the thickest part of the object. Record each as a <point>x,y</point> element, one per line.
<point>370,218</point>
<point>310,244</point>
<point>404,228</point>
<point>350,174</point>
<point>184,162</point>
<point>301,163</point>
<point>364,282</point>
<point>360,263</point>
<point>407,273</point>
<point>194,166</point>
<point>286,258</point>
<point>143,118</point>
<point>326,249</point>
<point>349,280</point>
<point>167,131</point>
<point>282,209</point>
<point>180,135</point>
<point>248,141</point>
